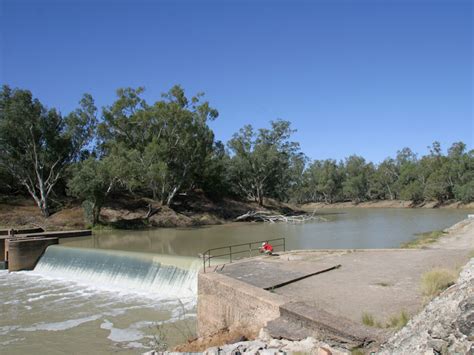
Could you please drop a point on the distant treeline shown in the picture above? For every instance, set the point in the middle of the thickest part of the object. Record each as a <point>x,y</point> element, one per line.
<point>161,149</point>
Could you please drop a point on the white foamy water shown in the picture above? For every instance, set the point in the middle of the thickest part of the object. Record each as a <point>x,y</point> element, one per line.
<point>125,272</point>
<point>96,302</point>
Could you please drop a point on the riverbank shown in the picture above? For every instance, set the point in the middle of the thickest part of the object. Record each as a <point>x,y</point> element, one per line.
<point>125,212</point>
<point>385,204</point>
<point>385,285</point>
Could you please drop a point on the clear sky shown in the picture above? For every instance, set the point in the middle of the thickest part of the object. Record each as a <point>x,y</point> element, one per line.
<point>363,77</point>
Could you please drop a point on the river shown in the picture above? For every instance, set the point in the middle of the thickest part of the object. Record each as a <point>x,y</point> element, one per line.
<point>129,291</point>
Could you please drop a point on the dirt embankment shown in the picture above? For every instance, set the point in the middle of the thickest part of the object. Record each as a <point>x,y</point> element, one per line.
<point>126,212</point>
<point>386,204</point>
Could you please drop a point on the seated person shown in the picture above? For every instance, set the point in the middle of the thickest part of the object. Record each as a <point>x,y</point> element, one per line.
<point>266,248</point>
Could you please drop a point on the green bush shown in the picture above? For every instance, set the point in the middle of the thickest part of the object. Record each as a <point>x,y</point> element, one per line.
<point>465,193</point>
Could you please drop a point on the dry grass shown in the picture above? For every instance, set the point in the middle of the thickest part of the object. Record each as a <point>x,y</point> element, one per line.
<point>423,239</point>
<point>368,319</point>
<point>396,321</point>
<point>436,281</point>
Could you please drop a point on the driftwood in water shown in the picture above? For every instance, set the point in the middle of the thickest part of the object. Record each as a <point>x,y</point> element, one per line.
<point>264,216</point>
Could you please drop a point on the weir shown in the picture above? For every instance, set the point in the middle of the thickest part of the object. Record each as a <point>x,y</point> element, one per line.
<point>160,275</point>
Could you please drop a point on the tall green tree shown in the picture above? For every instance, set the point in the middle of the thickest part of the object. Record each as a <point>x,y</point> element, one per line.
<point>92,181</point>
<point>356,182</point>
<point>383,181</point>
<point>323,180</point>
<point>261,161</point>
<point>37,144</point>
<point>167,143</point>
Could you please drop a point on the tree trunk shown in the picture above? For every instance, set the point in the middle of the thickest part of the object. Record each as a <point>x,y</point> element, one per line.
<point>390,192</point>
<point>44,207</point>
<point>96,213</point>
<point>171,196</point>
<point>41,201</point>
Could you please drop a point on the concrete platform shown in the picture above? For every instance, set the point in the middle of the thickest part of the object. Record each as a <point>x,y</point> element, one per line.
<point>5,232</point>
<point>267,273</point>
<point>23,250</point>
<point>381,282</point>
<point>329,305</point>
<point>57,234</point>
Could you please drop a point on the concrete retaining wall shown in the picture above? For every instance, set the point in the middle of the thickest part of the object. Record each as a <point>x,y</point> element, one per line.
<point>3,241</point>
<point>23,254</point>
<point>224,302</point>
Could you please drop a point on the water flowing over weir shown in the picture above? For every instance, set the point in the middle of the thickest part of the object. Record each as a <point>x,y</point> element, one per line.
<point>151,274</point>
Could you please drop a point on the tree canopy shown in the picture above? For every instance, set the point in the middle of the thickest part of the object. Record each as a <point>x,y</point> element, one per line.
<point>160,149</point>
<point>37,144</point>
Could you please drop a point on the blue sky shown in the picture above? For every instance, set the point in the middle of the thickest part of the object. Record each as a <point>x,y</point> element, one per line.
<point>353,77</point>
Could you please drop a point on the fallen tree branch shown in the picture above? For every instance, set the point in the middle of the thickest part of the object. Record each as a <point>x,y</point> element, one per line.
<point>264,216</point>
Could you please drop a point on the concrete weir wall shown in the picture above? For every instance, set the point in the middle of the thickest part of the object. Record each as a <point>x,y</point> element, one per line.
<point>3,241</point>
<point>23,254</point>
<point>224,302</point>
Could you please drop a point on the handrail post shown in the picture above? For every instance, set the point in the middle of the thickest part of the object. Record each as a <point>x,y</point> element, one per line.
<point>204,261</point>
<point>207,253</point>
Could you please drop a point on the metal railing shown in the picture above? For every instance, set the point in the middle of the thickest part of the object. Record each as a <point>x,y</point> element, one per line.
<point>237,249</point>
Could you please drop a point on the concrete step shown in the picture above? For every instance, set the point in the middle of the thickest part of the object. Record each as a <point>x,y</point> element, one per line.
<point>327,327</point>
<point>282,328</point>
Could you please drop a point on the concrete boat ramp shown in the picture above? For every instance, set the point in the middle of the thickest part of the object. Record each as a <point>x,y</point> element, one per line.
<point>20,249</point>
<point>325,293</point>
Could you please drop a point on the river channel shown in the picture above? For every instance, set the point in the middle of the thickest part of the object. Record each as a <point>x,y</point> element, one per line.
<point>130,291</point>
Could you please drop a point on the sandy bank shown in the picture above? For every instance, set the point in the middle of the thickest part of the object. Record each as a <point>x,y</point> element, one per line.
<point>386,204</point>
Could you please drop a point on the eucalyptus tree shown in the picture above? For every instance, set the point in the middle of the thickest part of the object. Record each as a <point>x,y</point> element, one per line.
<point>262,160</point>
<point>37,144</point>
<point>323,181</point>
<point>92,181</point>
<point>356,180</point>
<point>461,172</point>
<point>166,144</point>
<point>383,181</point>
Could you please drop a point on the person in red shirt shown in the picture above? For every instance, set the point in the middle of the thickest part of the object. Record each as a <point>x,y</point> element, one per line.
<point>266,248</point>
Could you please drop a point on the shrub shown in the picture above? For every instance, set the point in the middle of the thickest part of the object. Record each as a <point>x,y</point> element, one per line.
<point>437,280</point>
